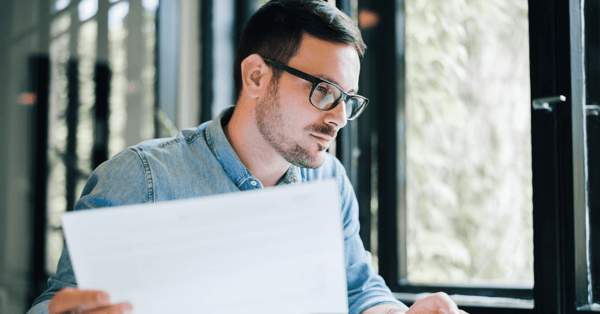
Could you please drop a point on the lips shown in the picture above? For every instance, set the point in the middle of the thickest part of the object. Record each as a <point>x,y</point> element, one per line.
<point>324,131</point>
<point>324,137</point>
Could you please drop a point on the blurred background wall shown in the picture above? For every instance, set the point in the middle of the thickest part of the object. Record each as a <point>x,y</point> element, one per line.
<point>80,81</point>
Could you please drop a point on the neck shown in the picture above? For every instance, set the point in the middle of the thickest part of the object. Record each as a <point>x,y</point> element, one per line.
<point>252,149</point>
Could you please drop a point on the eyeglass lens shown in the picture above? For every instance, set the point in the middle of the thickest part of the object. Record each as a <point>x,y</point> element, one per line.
<point>324,95</point>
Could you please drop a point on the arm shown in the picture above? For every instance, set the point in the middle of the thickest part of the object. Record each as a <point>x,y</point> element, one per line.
<point>366,289</point>
<point>367,292</point>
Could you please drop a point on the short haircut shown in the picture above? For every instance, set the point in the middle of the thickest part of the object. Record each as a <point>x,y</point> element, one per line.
<point>275,32</point>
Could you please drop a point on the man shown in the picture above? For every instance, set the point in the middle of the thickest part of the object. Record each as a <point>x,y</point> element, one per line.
<point>296,74</point>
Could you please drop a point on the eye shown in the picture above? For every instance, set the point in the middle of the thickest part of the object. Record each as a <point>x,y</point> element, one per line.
<point>323,88</point>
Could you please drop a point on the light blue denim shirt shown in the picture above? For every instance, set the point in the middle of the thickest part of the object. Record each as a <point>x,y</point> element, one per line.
<point>201,162</point>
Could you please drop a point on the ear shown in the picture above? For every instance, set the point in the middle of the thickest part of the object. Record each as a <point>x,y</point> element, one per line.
<point>256,75</point>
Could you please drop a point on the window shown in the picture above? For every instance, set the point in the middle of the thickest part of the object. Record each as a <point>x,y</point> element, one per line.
<point>550,276</point>
<point>86,127</point>
<point>468,144</point>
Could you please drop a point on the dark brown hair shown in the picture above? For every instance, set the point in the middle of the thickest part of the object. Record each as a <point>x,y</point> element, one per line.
<point>275,32</point>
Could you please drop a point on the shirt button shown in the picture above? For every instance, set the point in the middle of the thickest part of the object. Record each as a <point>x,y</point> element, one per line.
<point>253,183</point>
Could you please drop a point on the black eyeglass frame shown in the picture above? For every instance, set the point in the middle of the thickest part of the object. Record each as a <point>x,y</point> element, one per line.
<point>315,81</point>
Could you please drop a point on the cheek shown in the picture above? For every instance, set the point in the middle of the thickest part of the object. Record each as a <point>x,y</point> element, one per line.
<point>297,112</point>
<point>294,96</point>
<point>294,111</point>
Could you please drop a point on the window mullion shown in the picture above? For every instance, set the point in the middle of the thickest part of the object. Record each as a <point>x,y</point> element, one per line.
<point>354,151</point>
<point>579,158</point>
<point>102,88</point>
<point>388,70</point>
<point>558,156</point>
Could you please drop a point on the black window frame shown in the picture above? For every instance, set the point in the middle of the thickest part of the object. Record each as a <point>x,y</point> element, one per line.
<point>558,160</point>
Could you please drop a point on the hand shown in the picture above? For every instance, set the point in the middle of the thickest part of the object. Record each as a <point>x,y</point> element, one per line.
<point>438,303</point>
<point>70,300</point>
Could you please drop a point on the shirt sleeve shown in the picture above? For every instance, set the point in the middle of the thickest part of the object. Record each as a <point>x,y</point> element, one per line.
<point>122,180</point>
<point>365,287</point>
<point>39,308</point>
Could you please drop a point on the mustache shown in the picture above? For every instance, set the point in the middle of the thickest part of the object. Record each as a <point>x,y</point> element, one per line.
<point>324,129</point>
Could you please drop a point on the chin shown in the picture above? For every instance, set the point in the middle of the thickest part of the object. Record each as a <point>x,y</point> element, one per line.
<point>319,160</point>
<point>315,161</point>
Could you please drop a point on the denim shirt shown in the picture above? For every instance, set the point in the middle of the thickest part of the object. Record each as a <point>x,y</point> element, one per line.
<point>199,162</point>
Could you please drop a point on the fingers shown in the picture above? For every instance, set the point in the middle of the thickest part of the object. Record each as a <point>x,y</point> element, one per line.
<point>119,308</point>
<point>70,300</point>
<point>445,303</point>
<point>435,303</point>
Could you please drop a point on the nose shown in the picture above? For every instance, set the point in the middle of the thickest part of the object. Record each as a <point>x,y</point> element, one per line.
<point>337,116</point>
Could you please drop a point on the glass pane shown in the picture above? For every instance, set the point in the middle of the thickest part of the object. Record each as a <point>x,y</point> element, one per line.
<point>87,9</point>
<point>150,5</point>
<point>592,76</point>
<point>117,35</point>
<point>60,25</point>
<point>148,72</point>
<point>131,47</point>
<point>132,97</point>
<point>57,147</point>
<point>469,188</point>
<point>86,51</point>
<point>58,5</point>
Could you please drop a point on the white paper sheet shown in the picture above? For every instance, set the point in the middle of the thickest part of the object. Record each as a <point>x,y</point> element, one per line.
<point>277,250</point>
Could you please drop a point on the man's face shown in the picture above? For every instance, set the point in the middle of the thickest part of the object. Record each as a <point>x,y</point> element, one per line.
<point>299,132</point>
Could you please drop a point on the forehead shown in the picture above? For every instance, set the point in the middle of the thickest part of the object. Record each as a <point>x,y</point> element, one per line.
<point>334,62</point>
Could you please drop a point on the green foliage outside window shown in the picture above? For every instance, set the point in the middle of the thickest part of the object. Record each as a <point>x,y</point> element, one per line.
<point>468,142</point>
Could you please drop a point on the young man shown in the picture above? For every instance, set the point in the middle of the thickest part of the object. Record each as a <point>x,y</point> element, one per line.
<point>296,74</point>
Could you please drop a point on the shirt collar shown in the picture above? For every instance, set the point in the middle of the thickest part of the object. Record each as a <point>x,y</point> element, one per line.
<point>229,160</point>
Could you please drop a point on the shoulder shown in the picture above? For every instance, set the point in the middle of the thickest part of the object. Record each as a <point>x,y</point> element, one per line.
<point>176,154</point>
<point>184,140</point>
<point>158,147</point>
<point>142,172</point>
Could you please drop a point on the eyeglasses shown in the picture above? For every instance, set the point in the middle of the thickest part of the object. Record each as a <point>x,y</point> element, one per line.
<point>325,95</point>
